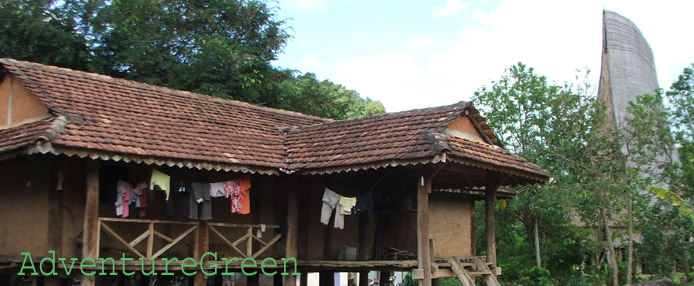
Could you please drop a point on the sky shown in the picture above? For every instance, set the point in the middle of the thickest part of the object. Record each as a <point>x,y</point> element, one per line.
<point>414,54</point>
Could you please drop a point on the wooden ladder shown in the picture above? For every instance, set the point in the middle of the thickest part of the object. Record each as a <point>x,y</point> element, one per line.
<point>480,267</point>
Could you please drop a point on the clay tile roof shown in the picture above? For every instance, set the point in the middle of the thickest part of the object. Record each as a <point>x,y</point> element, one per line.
<point>19,136</point>
<point>398,136</point>
<point>408,137</point>
<point>98,116</point>
<point>128,118</point>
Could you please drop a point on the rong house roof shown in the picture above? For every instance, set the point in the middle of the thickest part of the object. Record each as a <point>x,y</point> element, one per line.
<point>96,116</point>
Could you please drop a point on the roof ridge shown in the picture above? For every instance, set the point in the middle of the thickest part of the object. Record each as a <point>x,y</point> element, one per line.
<point>460,104</point>
<point>101,77</point>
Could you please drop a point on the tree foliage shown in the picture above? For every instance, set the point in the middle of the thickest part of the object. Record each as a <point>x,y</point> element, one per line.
<point>222,48</point>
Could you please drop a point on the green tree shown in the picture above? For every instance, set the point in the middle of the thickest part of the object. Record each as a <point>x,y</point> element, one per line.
<point>40,31</point>
<point>553,126</point>
<point>222,48</point>
<point>306,94</point>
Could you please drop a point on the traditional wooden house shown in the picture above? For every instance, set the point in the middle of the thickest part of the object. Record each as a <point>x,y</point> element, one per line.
<point>74,146</point>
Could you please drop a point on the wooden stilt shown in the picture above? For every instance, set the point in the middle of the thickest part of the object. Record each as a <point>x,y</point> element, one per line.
<point>490,201</point>
<point>253,280</point>
<point>364,278</point>
<point>326,278</point>
<point>292,247</point>
<point>384,277</point>
<point>90,246</point>
<point>201,246</point>
<point>277,280</point>
<point>423,247</point>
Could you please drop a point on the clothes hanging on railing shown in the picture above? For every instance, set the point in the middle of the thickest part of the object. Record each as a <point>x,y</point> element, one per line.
<point>124,188</point>
<point>365,203</point>
<point>181,189</point>
<point>218,190</point>
<point>344,206</point>
<point>161,181</point>
<point>132,200</point>
<point>200,200</point>
<point>144,194</point>
<point>237,191</point>
<point>332,201</point>
<point>245,185</point>
<point>121,201</point>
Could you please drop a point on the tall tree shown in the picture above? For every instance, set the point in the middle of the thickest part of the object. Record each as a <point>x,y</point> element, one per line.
<point>221,47</point>
<point>555,127</point>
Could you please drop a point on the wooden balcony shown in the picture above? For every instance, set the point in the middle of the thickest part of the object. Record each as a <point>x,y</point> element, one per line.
<point>241,247</point>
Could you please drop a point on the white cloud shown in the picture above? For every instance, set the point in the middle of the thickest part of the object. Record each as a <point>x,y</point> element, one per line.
<point>451,7</point>
<point>310,64</point>
<point>419,42</point>
<point>556,43</point>
<point>393,77</point>
<point>558,37</point>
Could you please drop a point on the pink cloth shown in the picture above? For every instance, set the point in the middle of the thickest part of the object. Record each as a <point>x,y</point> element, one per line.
<point>232,190</point>
<point>126,200</point>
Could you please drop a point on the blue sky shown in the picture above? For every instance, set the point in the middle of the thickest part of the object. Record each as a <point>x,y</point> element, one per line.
<point>414,54</point>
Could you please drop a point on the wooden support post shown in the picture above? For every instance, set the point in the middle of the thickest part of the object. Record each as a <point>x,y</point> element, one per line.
<point>384,277</point>
<point>326,278</point>
<point>55,209</point>
<point>303,279</point>
<point>364,278</point>
<point>292,247</point>
<point>491,188</point>
<point>249,243</point>
<point>201,246</point>
<point>90,245</point>
<point>253,280</point>
<point>423,248</point>
<point>277,280</point>
<point>435,282</point>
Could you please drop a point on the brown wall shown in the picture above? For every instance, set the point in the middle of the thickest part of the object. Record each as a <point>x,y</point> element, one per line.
<point>24,205</point>
<point>450,223</point>
<point>28,196</point>
<point>25,106</point>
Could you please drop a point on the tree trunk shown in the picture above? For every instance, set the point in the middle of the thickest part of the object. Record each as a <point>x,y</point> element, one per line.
<point>630,255</point>
<point>538,258</point>
<point>612,257</point>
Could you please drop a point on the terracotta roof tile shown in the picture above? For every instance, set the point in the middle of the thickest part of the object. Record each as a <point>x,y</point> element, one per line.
<point>401,136</point>
<point>104,117</point>
<point>121,116</point>
<point>20,136</point>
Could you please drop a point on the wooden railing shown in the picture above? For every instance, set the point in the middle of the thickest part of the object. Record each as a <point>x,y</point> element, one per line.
<point>151,233</point>
<point>249,237</point>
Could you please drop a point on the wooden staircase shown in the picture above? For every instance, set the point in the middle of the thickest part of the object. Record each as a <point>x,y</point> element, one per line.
<point>479,267</point>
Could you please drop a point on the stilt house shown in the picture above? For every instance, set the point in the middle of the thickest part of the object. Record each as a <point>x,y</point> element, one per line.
<point>69,140</point>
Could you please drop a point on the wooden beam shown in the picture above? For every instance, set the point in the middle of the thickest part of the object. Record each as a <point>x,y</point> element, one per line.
<point>423,248</point>
<point>90,231</point>
<point>292,246</point>
<point>491,188</point>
